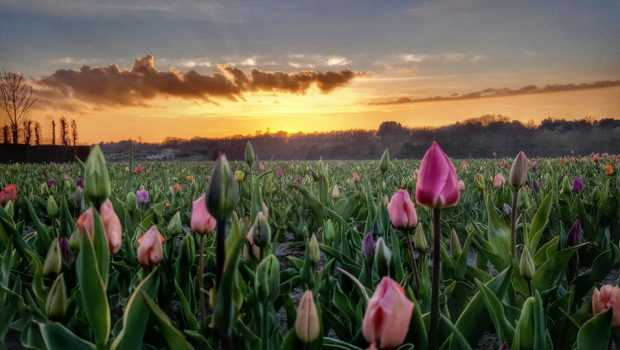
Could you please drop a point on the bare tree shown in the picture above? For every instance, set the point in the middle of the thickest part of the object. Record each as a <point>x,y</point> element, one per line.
<point>27,131</point>
<point>16,98</point>
<point>74,132</point>
<point>53,132</point>
<point>37,133</point>
<point>64,131</point>
<point>5,134</point>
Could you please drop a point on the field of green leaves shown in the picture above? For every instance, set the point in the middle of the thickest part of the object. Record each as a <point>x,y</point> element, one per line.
<point>383,254</point>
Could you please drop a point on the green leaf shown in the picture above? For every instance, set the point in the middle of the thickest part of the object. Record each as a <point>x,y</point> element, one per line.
<point>58,337</point>
<point>547,274</point>
<point>503,327</point>
<point>173,336</point>
<point>595,334</point>
<point>100,243</point>
<point>499,234</point>
<point>539,222</point>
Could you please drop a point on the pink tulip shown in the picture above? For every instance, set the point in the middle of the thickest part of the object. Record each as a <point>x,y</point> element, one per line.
<point>437,184</point>
<point>150,247</point>
<point>202,221</point>
<point>8,193</point>
<point>112,226</point>
<point>85,222</point>
<point>402,210</point>
<point>498,180</point>
<point>387,316</point>
<point>607,298</point>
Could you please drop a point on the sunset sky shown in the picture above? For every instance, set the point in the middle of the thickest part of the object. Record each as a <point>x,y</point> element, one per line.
<point>152,69</point>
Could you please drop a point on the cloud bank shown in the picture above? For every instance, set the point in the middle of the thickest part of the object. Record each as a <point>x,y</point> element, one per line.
<point>491,92</point>
<point>112,85</point>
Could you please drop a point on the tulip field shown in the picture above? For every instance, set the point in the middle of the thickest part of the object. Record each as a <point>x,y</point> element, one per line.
<point>436,253</point>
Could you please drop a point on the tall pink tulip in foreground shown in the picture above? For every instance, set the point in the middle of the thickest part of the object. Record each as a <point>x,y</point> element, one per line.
<point>112,226</point>
<point>202,221</point>
<point>402,210</point>
<point>387,316</point>
<point>150,247</point>
<point>607,298</point>
<point>437,184</point>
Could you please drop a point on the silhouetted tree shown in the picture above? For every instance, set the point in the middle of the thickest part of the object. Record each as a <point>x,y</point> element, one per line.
<point>74,132</point>
<point>16,98</point>
<point>53,132</point>
<point>64,131</point>
<point>5,134</point>
<point>37,133</point>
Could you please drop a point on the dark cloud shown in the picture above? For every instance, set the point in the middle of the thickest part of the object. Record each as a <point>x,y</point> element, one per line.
<point>526,90</point>
<point>115,86</point>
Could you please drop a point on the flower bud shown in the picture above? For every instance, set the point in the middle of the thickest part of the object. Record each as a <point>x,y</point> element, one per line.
<point>57,303</point>
<point>52,207</point>
<point>262,231</point>
<point>150,247</point>
<point>74,240</point>
<point>97,186</point>
<point>307,323</point>
<point>223,192</point>
<point>368,246</point>
<point>53,260</point>
<point>314,251</point>
<point>575,234</point>
<point>267,278</point>
<point>498,180</point>
<point>455,244</point>
<point>174,226</point>
<point>329,232</point>
<point>526,265</point>
<point>142,196</point>
<point>335,192</point>
<point>518,171</point>
<point>577,184</point>
<point>112,226</point>
<point>608,297</point>
<point>239,175</point>
<point>419,240</point>
<point>250,156</point>
<point>437,182</point>
<point>384,163</point>
<point>402,211</point>
<point>479,181</point>
<point>383,257</point>
<point>202,222</point>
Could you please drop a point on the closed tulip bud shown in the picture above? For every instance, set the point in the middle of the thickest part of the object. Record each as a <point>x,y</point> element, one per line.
<point>455,244</point>
<point>383,257</point>
<point>526,265</point>
<point>202,221</point>
<point>608,297</point>
<point>112,226</point>
<point>150,247</point>
<point>307,323</point>
<point>329,230</point>
<point>437,183</point>
<point>402,211</point>
<point>368,246</point>
<point>74,240</point>
<point>53,260</point>
<point>97,187</point>
<point>239,175</point>
<point>518,171</point>
<point>384,164</point>
<point>314,251</point>
<point>335,192</point>
<point>262,231</point>
<point>419,240</point>
<point>575,234</point>
<point>174,226</point>
<point>57,303</point>
<point>388,314</point>
<point>250,156</point>
<point>52,207</point>
<point>577,184</point>
<point>479,181</point>
<point>223,193</point>
<point>498,180</point>
<point>267,278</point>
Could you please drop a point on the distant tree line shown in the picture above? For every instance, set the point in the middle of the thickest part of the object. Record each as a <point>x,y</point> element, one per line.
<point>484,137</point>
<point>16,101</point>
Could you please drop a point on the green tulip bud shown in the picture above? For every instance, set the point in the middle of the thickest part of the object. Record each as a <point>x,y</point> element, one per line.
<point>74,241</point>
<point>384,164</point>
<point>131,202</point>
<point>267,278</point>
<point>479,181</point>
<point>455,244</point>
<point>314,251</point>
<point>383,257</point>
<point>97,185</point>
<point>43,188</point>
<point>52,207</point>
<point>250,156</point>
<point>223,192</point>
<point>419,239</point>
<point>329,232</point>
<point>174,226</point>
<point>57,303</point>
<point>262,231</point>
<point>53,260</point>
<point>307,323</point>
<point>526,265</point>
<point>518,171</point>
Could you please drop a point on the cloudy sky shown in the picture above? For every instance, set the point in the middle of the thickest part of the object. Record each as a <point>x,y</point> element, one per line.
<point>182,68</point>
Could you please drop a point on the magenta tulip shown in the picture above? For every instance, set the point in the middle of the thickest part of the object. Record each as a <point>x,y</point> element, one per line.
<point>202,221</point>
<point>388,315</point>
<point>437,184</point>
<point>402,210</point>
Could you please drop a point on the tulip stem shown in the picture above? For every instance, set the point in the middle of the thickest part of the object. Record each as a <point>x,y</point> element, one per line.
<point>513,221</point>
<point>220,250</point>
<point>434,331</point>
<point>414,266</point>
<point>201,269</point>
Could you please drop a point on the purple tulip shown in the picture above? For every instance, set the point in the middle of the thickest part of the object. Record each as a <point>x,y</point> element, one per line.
<point>79,182</point>
<point>51,183</point>
<point>368,246</point>
<point>142,196</point>
<point>575,234</point>
<point>577,184</point>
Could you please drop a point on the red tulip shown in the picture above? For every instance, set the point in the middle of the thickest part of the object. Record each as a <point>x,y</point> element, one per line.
<point>387,316</point>
<point>437,184</point>
<point>150,247</point>
<point>112,226</point>
<point>202,221</point>
<point>607,298</point>
<point>402,210</point>
<point>8,193</point>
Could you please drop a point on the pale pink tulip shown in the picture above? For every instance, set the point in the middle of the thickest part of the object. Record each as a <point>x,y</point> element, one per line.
<point>150,247</point>
<point>388,315</point>
<point>85,222</point>
<point>402,210</point>
<point>461,185</point>
<point>112,226</point>
<point>498,180</point>
<point>202,221</point>
<point>607,298</point>
<point>437,183</point>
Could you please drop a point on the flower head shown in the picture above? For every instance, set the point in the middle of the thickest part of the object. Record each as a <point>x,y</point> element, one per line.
<point>150,247</point>
<point>608,297</point>
<point>402,210</point>
<point>202,221</point>
<point>142,196</point>
<point>437,184</point>
<point>577,184</point>
<point>8,193</point>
